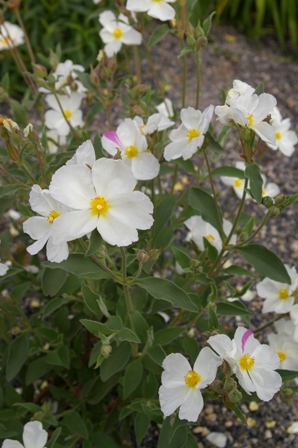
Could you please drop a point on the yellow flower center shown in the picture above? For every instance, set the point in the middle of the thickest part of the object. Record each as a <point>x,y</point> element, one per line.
<point>278,135</point>
<point>6,40</point>
<point>68,114</point>
<point>263,192</point>
<point>250,119</point>
<point>282,356</point>
<point>131,151</point>
<point>283,294</point>
<point>246,362</point>
<point>238,182</point>
<point>192,133</point>
<point>117,33</point>
<point>210,237</point>
<point>99,206</point>
<point>192,378</point>
<point>52,216</point>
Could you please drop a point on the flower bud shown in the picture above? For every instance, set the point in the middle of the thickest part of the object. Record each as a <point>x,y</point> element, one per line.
<point>267,201</point>
<point>282,200</point>
<point>142,256</point>
<point>226,368</point>
<point>229,384</point>
<point>39,70</point>
<point>106,350</point>
<point>15,331</point>
<point>202,42</point>
<point>154,254</point>
<point>234,395</point>
<point>274,211</point>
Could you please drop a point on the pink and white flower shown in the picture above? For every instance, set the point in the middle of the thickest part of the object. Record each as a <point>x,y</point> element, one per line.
<point>190,134</point>
<point>182,384</point>
<point>158,9</point>
<point>279,297</point>
<point>102,198</point>
<point>116,32</point>
<point>34,436</point>
<point>41,228</point>
<point>133,147</point>
<point>254,364</point>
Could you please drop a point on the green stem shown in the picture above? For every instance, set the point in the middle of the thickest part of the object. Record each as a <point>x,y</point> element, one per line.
<point>137,64</point>
<point>184,76</point>
<point>198,85</point>
<point>29,48</point>
<point>174,179</point>
<point>218,212</point>
<point>101,265</point>
<point>13,178</point>
<point>269,323</point>
<point>152,65</point>
<point>267,216</point>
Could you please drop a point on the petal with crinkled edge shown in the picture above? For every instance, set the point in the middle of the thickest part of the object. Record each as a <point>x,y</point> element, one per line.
<point>34,436</point>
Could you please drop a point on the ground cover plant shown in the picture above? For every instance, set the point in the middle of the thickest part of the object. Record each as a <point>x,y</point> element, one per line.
<point>118,295</point>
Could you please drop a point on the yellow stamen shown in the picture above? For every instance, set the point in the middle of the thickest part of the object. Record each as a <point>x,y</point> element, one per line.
<point>131,151</point>
<point>52,216</point>
<point>246,362</point>
<point>263,192</point>
<point>117,33</point>
<point>99,206</point>
<point>210,237</point>
<point>283,294</point>
<point>238,182</point>
<point>192,378</point>
<point>68,114</point>
<point>282,356</point>
<point>278,135</point>
<point>6,40</point>
<point>192,133</point>
<point>250,119</point>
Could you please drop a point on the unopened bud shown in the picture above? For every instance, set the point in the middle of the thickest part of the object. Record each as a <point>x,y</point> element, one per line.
<point>28,129</point>
<point>142,256</point>
<point>15,331</point>
<point>154,254</point>
<point>100,56</point>
<point>39,70</point>
<point>230,384</point>
<point>234,395</point>
<point>288,392</point>
<point>94,76</point>
<point>194,263</point>
<point>274,211</point>
<point>226,368</point>
<point>53,59</point>
<point>281,200</point>
<point>106,350</point>
<point>202,42</point>
<point>267,201</point>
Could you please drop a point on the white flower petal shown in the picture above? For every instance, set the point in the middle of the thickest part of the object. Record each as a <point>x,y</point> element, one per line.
<point>34,436</point>
<point>192,406</point>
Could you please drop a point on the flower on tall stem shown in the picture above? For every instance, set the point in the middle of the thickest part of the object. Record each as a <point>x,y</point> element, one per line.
<point>58,120</point>
<point>116,32</point>
<point>182,384</point>
<point>102,198</point>
<point>133,147</point>
<point>158,9</point>
<point>254,364</point>
<point>285,138</point>
<point>11,36</point>
<point>190,134</point>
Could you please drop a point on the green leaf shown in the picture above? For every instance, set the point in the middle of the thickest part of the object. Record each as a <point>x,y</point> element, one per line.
<point>253,173</point>
<point>18,352</point>
<point>163,212</point>
<point>213,145</point>
<point>287,375</point>
<point>80,266</point>
<point>213,321</point>
<point>259,89</point>
<point>31,407</point>
<point>232,309</point>
<point>128,335</point>
<point>52,281</point>
<point>181,256</point>
<point>97,147</point>
<point>163,289</point>
<point>173,434</point>
<point>157,354</point>
<point>116,362</point>
<point>53,305</point>
<point>238,270</point>
<point>158,34</point>
<point>132,377</point>
<point>167,335</point>
<point>229,171</point>
<point>266,263</point>
<point>36,369</point>
<point>141,424</point>
<point>76,425</point>
<point>9,189</point>
<point>140,325</point>
<point>96,328</point>
<point>205,205</point>
<point>94,243</point>
<point>54,437</point>
<point>90,299</point>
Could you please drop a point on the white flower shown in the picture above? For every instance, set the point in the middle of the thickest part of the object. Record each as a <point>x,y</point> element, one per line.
<point>3,268</point>
<point>28,129</point>
<point>285,138</point>
<point>200,229</point>
<point>166,108</point>
<point>96,2</point>
<point>279,297</point>
<point>102,199</point>
<point>41,228</point>
<point>66,71</point>
<point>156,122</point>
<point>181,385</point>
<point>133,147</point>
<point>10,36</point>
<point>54,141</point>
<point>54,118</point>
<point>269,189</point>
<point>190,134</point>
<point>286,349</point>
<point>117,32</point>
<point>253,363</point>
<point>294,318</point>
<point>293,429</point>
<point>84,155</point>
<point>240,88</point>
<point>34,436</point>
<point>159,9</point>
<point>236,183</point>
